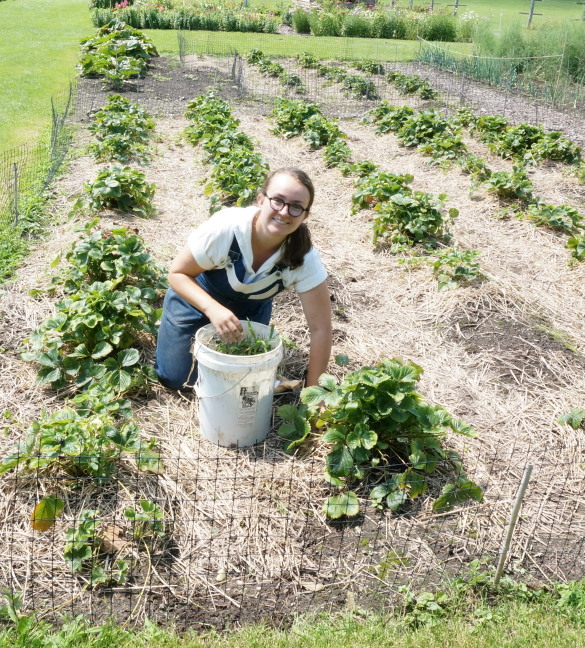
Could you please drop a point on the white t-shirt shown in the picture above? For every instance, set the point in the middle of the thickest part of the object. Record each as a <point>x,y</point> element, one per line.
<point>210,244</point>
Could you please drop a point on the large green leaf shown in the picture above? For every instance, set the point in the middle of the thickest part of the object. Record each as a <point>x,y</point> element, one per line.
<point>339,505</point>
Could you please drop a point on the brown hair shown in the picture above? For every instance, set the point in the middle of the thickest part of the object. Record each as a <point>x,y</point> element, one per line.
<point>297,244</point>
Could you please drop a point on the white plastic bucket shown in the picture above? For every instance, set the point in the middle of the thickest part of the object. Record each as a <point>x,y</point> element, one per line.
<point>235,392</point>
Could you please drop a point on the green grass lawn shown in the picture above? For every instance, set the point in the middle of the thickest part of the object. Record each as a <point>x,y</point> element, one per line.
<point>39,47</point>
<point>207,42</point>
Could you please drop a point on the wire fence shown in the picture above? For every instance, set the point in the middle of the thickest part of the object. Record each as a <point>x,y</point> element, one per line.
<point>241,536</point>
<point>31,168</point>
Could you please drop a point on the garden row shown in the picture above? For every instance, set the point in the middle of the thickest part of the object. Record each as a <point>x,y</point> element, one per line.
<point>90,351</point>
<point>360,22</point>
<point>353,85</point>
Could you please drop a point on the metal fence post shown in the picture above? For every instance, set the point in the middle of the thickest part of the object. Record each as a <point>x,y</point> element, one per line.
<point>512,524</point>
<point>15,167</point>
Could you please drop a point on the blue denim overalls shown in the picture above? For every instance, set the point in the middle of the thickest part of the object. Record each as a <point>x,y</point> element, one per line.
<point>180,321</point>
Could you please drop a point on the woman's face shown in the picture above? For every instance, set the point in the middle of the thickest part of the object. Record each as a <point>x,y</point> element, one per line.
<point>276,222</point>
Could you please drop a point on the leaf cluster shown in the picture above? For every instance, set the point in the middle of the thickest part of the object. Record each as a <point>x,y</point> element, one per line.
<point>423,127</point>
<point>271,68</point>
<point>77,443</point>
<point>411,84</point>
<point>383,436</point>
<point>119,187</point>
<point>411,217</point>
<point>251,344</point>
<point>510,185</point>
<point>237,171</point>
<point>388,118</point>
<point>122,129</point>
<point>111,289</point>
<point>453,267</point>
<point>117,53</point>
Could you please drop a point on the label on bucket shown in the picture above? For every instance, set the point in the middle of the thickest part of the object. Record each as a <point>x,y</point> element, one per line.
<point>248,403</point>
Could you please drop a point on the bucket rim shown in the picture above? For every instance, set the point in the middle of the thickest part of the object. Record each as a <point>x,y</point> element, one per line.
<point>199,345</point>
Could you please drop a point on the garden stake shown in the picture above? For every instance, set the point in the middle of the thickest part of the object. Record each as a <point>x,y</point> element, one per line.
<point>513,519</point>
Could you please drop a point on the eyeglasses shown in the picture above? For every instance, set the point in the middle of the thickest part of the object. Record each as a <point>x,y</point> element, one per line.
<point>293,209</point>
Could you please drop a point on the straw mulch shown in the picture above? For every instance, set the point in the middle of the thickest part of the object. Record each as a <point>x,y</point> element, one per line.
<point>245,535</point>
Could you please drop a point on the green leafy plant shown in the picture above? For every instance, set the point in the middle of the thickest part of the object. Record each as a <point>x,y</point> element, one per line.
<point>89,338</point>
<point>82,551</point>
<point>382,436</point>
<point>489,128</point>
<point>290,116</point>
<point>378,187</point>
<point>413,217</point>
<point>251,344</point>
<point>337,153</point>
<point>102,254</point>
<point>558,217</point>
<point>424,126</point>
<point>73,443</point>
<point>475,166</point>
<point>510,185</point>
<point>147,520</point>
<point>453,267</point>
<point>515,141</point>
<point>553,146</point>
<point>444,150</point>
<point>117,53</point>
<point>577,245</point>
<point>387,117</point>
<point>122,129</point>
<point>119,187</point>
<point>574,418</point>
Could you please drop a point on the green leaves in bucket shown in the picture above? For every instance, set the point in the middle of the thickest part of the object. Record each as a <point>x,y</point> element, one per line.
<point>252,344</point>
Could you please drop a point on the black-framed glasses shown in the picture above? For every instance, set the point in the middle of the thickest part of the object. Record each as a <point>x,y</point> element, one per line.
<point>293,209</point>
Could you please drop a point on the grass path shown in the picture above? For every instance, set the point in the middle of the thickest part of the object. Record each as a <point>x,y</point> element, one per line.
<point>39,47</point>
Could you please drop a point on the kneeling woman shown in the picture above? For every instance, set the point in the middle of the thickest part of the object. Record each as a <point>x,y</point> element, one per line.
<point>232,267</point>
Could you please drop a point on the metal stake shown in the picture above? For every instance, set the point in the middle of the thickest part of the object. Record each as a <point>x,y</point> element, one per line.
<point>512,524</point>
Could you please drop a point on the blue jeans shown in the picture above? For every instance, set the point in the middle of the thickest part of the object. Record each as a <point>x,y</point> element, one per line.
<point>179,323</point>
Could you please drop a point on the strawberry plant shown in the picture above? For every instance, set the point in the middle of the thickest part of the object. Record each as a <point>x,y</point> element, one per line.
<point>337,153</point>
<point>422,127</point>
<point>122,130</point>
<point>237,172</point>
<point>553,146</point>
<point>411,84</point>
<point>370,67</point>
<point>89,339</point>
<point>73,443</point>
<point>100,254</point>
<point>559,217</point>
<point>510,185</point>
<point>489,127</point>
<point>516,140</point>
<point>387,117</point>
<point>82,552</point>
<point>119,187</point>
<point>307,60</point>
<point>147,521</point>
<point>319,131</point>
<point>290,116</point>
<point>382,436</point>
<point>378,187</point>
<point>117,53</point>
<point>413,217</point>
<point>575,418</point>
<point>577,245</point>
<point>475,166</point>
<point>453,267</point>
<point>444,149</point>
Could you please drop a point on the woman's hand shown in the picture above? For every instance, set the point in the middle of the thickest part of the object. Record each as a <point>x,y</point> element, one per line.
<point>227,325</point>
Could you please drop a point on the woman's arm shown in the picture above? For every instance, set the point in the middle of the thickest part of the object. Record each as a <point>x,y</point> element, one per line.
<point>182,275</point>
<point>317,308</point>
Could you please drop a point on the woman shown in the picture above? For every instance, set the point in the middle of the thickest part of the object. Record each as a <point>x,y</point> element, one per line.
<point>230,270</point>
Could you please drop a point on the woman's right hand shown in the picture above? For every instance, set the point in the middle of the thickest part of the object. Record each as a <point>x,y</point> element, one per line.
<point>227,325</point>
